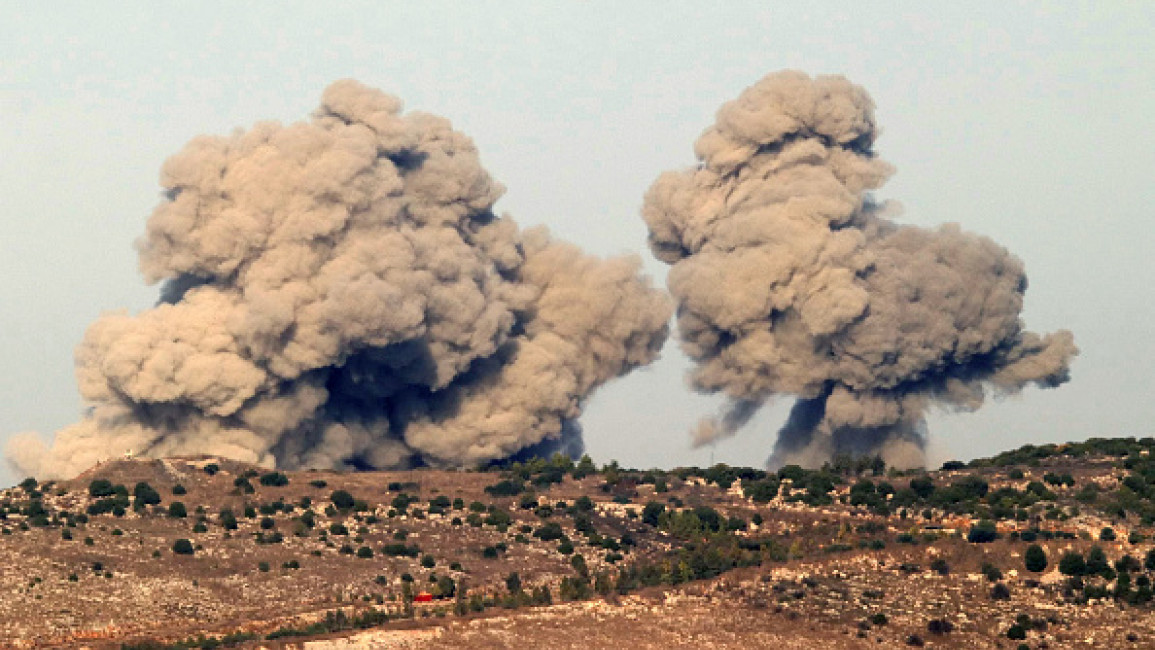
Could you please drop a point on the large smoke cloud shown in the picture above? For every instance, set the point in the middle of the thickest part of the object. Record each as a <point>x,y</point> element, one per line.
<point>790,280</point>
<point>339,293</point>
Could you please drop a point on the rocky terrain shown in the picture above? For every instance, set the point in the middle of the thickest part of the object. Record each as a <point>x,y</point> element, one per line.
<point>1041,547</point>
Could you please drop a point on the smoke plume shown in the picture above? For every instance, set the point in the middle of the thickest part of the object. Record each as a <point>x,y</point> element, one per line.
<point>339,293</point>
<point>789,279</point>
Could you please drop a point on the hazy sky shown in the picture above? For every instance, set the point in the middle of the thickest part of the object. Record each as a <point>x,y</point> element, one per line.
<point>1031,124</point>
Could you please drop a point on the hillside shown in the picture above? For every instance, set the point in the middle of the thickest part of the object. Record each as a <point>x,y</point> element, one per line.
<point>1044,546</point>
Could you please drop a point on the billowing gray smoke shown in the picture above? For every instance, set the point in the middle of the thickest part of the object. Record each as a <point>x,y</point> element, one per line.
<point>339,293</point>
<point>789,279</point>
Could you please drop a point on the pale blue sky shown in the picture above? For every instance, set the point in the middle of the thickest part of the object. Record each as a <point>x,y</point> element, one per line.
<point>1028,123</point>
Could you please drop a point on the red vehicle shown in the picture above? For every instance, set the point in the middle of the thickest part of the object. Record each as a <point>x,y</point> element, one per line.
<point>424,597</point>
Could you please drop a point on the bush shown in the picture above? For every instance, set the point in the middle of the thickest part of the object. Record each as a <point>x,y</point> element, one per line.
<point>101,487</point>
<point>365,552</point>
<point>401,550</point>
<point>992,572</point>
<point>939,626</point>
<point>506,488</point>
<point>1035,558</point>
<point>228,520</point>
<point>1107,534</point>
<point>1000,592</point>
<point>177,510</point>
<point>274,479</point>
<point>1097,563</point>
<point>267,523</point>
<point>513,582</point>
<point>983,532</point>
<point>549,532</point>
<point>342,500</point>
<point>263,567</point>
<point>940,566</point>
<point>1072,564</point>
<point>428,561</point>
<point>182,547</point>
<point>1017,632</point>
<point>145,494</point>
<point>212,468</point>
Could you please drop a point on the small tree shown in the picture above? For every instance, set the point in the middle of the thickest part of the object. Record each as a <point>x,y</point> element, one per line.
<point>342,500</point>
<point>940,566</point>
<point>445,587</point>
<point>145,495</point>
<point>983,532</point>
<point>1035,558</point>
<point>513,582</point>
<point>176,509</point>
<point>1000,592</point>
<point>274,479</point>
<point>1072,564</point>
<point>101,487</point>
<point>182,547</point>
<point>1097,563</point>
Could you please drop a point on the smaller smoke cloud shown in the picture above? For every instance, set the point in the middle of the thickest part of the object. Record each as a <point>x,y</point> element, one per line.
<point>789,279</point>
<point>339,293</point>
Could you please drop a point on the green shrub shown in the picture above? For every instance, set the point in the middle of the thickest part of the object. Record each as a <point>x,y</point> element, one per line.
<point>227,519</point>
<point>145,495</point>
<point>1072,564</point>
<point>342,500</point>
<point>549,532</point>
<point>177,510</point>
<point>182,547</point>
<point>983,532</point>
<point>505,488</point>
<point>1035,558</point>
<point>101,487</point>
<point>274,479</point>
